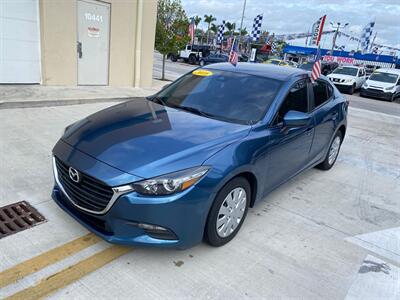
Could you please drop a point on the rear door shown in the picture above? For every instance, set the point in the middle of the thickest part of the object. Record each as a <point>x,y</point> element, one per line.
<point>325,114</point>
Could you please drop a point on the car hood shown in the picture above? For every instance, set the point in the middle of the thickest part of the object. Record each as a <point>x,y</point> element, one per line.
<point>379,84</point>
<point>147,139</point>
<point>341,76</point>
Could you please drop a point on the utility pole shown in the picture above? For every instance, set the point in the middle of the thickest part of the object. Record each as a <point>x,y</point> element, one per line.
<point>337,27</point>
<point>241,22</point>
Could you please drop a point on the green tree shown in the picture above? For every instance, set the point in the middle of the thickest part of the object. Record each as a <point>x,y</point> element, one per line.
<point>171,29</point>
<point>230,27</point>
<point>209,19</point>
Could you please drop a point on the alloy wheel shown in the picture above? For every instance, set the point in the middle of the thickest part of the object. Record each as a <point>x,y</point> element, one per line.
<point>334,150</point>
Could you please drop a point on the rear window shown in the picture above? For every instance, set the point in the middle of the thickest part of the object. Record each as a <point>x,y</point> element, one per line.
<point>229,96</point>
<point>384,77</point>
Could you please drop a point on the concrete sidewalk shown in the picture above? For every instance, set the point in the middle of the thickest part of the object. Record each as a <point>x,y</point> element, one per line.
<point>21,96</point>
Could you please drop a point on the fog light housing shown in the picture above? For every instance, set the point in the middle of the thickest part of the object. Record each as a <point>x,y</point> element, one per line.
<point>155,231</point>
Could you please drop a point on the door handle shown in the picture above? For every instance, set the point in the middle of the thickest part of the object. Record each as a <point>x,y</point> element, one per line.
<point>334,116</point>
<point>79,49</point>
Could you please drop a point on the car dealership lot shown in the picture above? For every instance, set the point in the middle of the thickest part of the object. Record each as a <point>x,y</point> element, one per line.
<point>322,235</point>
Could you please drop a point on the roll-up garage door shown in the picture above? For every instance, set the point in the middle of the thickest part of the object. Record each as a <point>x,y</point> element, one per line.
<point>19,41</point>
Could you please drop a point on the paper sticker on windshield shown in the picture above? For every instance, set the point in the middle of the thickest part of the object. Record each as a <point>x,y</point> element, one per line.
<point>202,72</point>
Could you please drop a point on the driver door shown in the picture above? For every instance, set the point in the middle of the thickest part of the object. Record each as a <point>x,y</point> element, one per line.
<point>289,147</point>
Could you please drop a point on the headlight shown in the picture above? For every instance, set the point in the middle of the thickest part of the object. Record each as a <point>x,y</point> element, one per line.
<point>349,80</point>
<point>389,88</point>
<point>365,85</point>
<point>171,183</point>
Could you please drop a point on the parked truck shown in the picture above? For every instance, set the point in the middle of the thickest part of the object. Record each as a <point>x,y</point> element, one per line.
<point>191,54</point>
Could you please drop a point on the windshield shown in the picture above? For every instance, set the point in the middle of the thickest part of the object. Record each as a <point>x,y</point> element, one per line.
<point>346,71</point>
<point>384,77</point>
<point>228,96</point>
<point>307,67</point>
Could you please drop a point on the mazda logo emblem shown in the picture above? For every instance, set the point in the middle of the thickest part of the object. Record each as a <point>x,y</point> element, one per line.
<point>73,174</point>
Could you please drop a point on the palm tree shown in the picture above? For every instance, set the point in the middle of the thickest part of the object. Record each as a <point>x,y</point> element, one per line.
<point>230,26</point>
<point>243,32</point>
<point>214,29</point>
<point>209,19</point>
<point>196,21</point>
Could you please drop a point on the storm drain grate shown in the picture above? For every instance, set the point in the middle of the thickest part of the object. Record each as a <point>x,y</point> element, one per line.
<point>17,217</point>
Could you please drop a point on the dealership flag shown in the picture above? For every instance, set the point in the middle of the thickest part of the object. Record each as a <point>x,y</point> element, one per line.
<point>317,31</point>
<point>316,69</point>
<point>191,30</point>
<point>256,31</point>
<point>220,34</point>
<point>366,36</point>
<point>233,55</point>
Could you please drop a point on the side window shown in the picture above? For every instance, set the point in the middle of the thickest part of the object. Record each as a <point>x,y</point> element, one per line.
<point>322,92</point>
<point>297,99</point>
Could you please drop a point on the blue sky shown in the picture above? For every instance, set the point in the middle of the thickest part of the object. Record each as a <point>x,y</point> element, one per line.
<point>297,16</point>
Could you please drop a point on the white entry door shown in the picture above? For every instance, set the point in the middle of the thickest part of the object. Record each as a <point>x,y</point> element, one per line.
<point>93,42</point>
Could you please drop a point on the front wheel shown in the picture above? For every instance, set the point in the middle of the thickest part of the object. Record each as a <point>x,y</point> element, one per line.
<point>352,89</point>
<point>202,63</point>
<point>333,152</point>
<point>228,212</point>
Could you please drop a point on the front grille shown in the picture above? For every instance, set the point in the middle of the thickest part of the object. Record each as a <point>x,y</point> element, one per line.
<point>375,91</point>
<point>88,193</point>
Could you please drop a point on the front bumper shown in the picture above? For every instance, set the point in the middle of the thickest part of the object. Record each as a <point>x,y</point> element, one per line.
<point>183,214</point>
<point>374,93</point>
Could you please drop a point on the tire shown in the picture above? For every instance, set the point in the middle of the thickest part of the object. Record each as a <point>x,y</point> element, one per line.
<point>202,63</point>
<point>192,59</point>
<point>329,162</point>
<point>352,89</point>
<point>228,229</point>
<point>173,58</point>
<point>392,98</point>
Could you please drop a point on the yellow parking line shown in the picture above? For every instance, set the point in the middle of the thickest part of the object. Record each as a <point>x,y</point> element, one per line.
<point>43,260</point>
<point>71,274</point>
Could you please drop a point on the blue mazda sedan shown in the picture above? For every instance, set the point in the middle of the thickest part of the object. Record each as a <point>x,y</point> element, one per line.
<point>186,164</point>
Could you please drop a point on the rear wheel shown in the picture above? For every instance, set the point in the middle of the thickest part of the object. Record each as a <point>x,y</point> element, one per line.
<point>228,212</point>
<point>173,58</point>
<point>333,152</point>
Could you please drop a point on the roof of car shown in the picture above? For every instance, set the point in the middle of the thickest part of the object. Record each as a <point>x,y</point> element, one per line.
<point>264,70</point>
<point>392,71</point>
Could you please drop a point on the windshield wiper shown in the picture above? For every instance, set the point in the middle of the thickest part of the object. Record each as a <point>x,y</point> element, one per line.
<point>196,111</point>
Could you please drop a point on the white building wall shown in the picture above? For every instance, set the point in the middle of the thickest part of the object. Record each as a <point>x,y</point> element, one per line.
<point>19,41</point>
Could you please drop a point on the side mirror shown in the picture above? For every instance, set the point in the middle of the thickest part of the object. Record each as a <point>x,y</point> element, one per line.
<point>295,118</point>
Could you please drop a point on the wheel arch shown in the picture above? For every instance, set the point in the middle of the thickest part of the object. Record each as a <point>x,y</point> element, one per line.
<point>342,129</point>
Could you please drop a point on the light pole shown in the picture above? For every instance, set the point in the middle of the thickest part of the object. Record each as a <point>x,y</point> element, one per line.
<point>241,22</point>
<point>337,27</point>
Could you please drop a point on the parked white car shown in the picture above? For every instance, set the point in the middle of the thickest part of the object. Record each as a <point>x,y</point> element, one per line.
<point>348,78</point>
<point>382,84</point>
